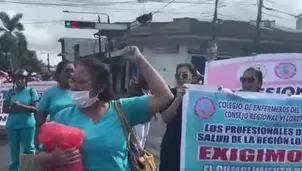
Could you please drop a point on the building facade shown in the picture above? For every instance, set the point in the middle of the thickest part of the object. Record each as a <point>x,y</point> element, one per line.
<point>186,40</point>
<point>68,45</point>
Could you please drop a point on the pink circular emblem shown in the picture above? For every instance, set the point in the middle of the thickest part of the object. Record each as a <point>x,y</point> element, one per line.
<point>204,108</point>
<point>285,70</point>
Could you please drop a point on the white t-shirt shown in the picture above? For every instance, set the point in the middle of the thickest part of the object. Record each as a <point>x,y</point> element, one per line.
<point>142,130</point>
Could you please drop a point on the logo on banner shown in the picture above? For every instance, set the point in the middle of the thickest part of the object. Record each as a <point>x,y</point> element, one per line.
<point>286,70</point>
<point>204,108</point>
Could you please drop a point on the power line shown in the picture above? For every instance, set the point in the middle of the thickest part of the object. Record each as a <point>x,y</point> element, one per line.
<point>278,4</point>
<point>164,6</point>
<point>43,22</point>
<point>123,10</point>
<point>42,3</point>
<point>64,4</point>
<point>279,11</point>
<point>276,16</point>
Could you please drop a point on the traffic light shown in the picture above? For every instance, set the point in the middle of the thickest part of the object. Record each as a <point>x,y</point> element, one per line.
<point>80,24</point>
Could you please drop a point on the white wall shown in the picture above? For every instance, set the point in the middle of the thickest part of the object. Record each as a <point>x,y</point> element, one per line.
<point>166,63</point>
<point>71,42</point>
<point>88,48</point>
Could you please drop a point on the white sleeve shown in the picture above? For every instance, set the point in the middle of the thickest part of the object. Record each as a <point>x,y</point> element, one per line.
<point>140,132</point>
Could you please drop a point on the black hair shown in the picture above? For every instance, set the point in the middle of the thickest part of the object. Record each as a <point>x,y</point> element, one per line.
<point>61,65</point>
<point>257,72</point>
<point>191,68</point>
<point>101,77</point>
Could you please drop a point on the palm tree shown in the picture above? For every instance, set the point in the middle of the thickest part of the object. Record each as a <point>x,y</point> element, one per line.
<point>13,38</point>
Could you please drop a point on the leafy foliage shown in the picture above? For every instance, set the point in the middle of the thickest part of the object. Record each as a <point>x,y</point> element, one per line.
<point>14,52</point>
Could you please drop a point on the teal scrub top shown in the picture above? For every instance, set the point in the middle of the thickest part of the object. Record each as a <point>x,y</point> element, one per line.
<point>21,119</point>
<point>104,146</point>
<point>55,99</point>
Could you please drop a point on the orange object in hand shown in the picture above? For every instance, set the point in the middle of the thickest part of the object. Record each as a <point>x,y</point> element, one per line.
<point>53,135</point>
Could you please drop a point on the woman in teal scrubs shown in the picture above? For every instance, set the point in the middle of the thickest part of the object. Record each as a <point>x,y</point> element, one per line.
<point>57,97</point>
<point>104,147</point>
<point>20,103</point>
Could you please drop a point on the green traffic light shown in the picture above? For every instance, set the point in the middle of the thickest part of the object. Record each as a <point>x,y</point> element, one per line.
<point>68,24</point>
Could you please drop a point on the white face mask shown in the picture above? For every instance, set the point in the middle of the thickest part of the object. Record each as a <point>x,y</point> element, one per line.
<point>82,99</point>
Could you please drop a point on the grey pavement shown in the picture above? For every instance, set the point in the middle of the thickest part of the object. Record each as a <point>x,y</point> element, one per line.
<point>153,143</point>
<point>157,130</point>
<point>4,153</point>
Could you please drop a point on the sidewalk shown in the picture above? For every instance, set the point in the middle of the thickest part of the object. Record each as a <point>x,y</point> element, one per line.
<point>157,130</point>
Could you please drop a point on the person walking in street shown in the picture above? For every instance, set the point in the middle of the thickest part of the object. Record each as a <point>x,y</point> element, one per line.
<point>172,116</point>
<point>57,97</point>
<point>105,145</point>
<point>20,103</point>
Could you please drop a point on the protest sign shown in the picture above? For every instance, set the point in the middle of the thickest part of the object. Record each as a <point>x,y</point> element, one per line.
<point>39,86</point>
<point>282,72</point>
<point>240,131</point>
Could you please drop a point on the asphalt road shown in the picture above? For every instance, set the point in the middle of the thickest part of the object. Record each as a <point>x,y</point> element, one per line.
<point>153,143</point>
<point>4,153</point>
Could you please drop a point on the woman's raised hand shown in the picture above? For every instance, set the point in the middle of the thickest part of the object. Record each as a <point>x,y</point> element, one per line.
<point>132,53</point>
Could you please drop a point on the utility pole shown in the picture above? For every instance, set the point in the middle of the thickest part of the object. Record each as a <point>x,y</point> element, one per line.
<point>214,21</point>
<point>48,63</point>
<point>100,37</point>
<point>109,40</point>
<point>213,47</point>
<point>258,24</point>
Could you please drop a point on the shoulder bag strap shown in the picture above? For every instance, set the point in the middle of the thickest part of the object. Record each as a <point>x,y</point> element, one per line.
<point>120,114</point>
<point>128,130</point>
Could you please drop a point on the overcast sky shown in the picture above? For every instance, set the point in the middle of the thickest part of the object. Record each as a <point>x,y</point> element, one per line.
<point>44,25</point>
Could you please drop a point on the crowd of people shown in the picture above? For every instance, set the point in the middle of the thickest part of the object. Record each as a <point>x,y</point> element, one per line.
<point>83,98</point>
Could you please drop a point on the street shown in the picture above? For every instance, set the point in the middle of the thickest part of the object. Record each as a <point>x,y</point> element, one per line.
<point>153,144</point>
<point>4,154</point>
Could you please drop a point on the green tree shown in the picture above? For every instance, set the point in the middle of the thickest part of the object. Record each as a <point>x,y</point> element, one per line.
<point>14,46</point>
<point>11,35</point>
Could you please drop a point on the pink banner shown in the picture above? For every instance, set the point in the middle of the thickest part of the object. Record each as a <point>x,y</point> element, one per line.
<point>282,72</point>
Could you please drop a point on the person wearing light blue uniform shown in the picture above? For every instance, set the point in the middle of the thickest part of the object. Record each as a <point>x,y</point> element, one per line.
<point>20,103</point>
<point>57,97</point>
<point>104,147</point>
